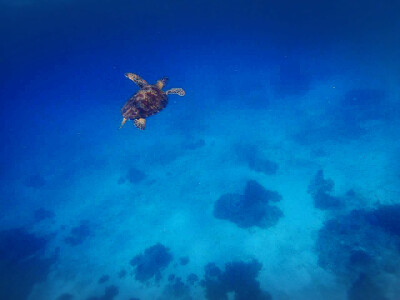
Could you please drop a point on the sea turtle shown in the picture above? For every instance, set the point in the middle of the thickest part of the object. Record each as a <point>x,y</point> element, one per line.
<point>149,100</point>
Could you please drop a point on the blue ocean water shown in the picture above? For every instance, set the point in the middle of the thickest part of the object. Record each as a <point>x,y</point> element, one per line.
<point>276,176</point>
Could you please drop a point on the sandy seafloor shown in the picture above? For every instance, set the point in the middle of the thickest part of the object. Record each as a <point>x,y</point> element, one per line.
<point>276,176</point>
<point>173,204</point>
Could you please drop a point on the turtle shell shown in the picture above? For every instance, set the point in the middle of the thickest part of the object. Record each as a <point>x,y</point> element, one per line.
<point>146,102</point>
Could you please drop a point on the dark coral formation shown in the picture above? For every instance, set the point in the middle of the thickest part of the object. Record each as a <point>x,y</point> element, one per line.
<point>110,293</point>
<point>79,234</point>
<point>251,209</point>
<point>320,190</point>
<point>177,289</point>
<point>361,242</point>
<point>387,217</point>
<point>192,279</point>
<point>364,288</point>
<point>255,160</point>
<point>150,264</point>
<point>349,244</point>
<point>238,277</point>
<point>22,263</point>
<point>346,243</point>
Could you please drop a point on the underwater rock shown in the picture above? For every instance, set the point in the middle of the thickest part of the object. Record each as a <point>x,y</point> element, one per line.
<point>192,279</point>
<point>176,289</point>
<point>79,234</point>
<point>320,190</point>
<point>365,289</point>
<point>22,263</point>
<point>320,185</point>
<point>387,217</point>
<point>110,293</point>
<point>150,264</point>
<point>238,277</point>
<point>251,209</point>
<point>352,244</point>
<point>256,193</point>
<point>211,270</point>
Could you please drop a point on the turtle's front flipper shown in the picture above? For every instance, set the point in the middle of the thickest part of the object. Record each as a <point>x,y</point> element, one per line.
<point>140,123</point>
<point>136,79</point>
<point>177,91</point>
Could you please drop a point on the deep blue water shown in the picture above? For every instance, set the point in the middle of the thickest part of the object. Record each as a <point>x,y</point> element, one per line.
<point>276,176</point>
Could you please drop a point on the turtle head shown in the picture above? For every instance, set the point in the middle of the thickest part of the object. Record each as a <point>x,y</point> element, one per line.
<point>162,82</point>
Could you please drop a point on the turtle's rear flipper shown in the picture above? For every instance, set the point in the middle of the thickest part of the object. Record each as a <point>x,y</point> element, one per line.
<point>177,91</point>
<point>123,122</point>
<point>136,79</point>
<point>140,123</point>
